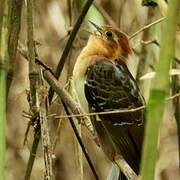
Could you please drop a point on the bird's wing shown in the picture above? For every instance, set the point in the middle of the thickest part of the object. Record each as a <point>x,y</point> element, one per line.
<point>110,86</point>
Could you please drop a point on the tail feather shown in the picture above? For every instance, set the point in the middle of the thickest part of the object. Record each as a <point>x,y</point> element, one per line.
<point>115,173</point>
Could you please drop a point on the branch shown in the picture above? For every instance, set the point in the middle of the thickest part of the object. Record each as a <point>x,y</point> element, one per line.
<point>81,143</point>
<point>33,78</point>
<point>46,144</point>
<point>67,99</point>
<point>103,113</point>
<point>146,27</point>
<point>69,43</point>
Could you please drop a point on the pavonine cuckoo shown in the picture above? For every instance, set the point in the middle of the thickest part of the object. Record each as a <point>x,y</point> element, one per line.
<point>103,83</point>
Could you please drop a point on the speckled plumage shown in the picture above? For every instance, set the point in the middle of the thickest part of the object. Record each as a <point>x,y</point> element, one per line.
<point>110,86</point>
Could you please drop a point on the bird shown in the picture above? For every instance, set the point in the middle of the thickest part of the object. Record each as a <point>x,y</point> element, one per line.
<point>103,83</point>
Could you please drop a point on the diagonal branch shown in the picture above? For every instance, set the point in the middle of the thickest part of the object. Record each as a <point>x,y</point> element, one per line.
<point>69,43</point>
<point>67,99</point>
<point>81,143</point>
<point>146,27</point>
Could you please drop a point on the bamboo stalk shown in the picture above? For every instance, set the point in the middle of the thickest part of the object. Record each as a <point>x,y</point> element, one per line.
<point>159,88</point>
<point>176,104</point>
<point>3,78</point>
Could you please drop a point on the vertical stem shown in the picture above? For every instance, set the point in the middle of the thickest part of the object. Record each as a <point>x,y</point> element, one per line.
<point>14,29</point>
<point>3,77</point>
<point>33,77</point>
<point>32,155</point>
<point>46,143</point>
<point>176,104</point>
<point>159,88</point>
<point>31,52</point>
<point>147,34</point>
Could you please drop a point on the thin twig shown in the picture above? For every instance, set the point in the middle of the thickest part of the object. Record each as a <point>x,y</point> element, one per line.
<point>154,41</point>
<point>146,27</point>
<point>69,43</point>
<point>81,143</point>
<point>23,51</point>
<point>57,135</point>
<point>173,97</point>
<point>112,112</point>
<point>104,113</point>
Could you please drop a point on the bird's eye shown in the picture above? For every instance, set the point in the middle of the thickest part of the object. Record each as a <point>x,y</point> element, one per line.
<point>109,34</point>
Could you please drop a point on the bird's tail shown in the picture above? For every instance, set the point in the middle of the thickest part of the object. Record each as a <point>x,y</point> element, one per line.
<point>115,173</point>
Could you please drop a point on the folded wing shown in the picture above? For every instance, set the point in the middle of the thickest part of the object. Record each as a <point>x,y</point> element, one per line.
<point>110,86</point>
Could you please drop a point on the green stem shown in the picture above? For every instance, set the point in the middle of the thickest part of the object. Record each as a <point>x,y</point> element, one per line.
<point>3,78</point>
<point>159,88</point>
<point>3,75</point>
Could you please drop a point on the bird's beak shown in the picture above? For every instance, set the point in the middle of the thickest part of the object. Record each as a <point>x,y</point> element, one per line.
<point>97,27</point>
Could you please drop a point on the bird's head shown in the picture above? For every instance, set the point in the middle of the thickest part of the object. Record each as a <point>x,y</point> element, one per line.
<point>109,41</point>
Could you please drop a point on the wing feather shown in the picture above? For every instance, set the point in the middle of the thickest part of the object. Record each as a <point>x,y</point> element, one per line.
<point>110,86</point>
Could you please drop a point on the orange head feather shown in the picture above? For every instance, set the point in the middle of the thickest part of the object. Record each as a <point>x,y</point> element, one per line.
<point>110,43</point>
<point>113,40</point>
